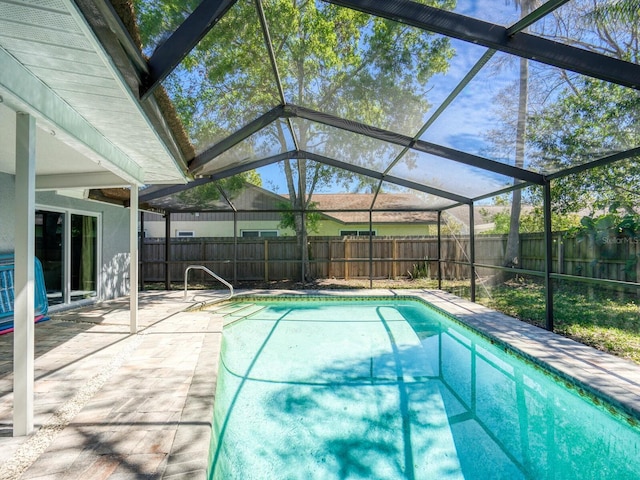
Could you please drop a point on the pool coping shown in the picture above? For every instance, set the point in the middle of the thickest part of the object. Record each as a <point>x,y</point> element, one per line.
<point>588,370</point>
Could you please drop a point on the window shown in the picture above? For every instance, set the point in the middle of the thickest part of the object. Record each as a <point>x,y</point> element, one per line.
<point>185,233</point>
<point>357,233</point>
<point>259,233</point>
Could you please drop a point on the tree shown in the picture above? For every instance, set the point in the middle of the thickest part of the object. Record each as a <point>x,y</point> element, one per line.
<point>329,58</point>
<point>513,238</point>
<point>574,120</point>
<point>530,222</point>
<point>590,122</point>
<point>203,195</point>
<point>623,11</point>
<point>590,119</point>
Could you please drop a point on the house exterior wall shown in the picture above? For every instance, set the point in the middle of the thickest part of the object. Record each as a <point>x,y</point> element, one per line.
<point>330,228</point>
<point>7,213</point>
<point>222,228</point>
<point>114,263</point>
<point>327,228</point>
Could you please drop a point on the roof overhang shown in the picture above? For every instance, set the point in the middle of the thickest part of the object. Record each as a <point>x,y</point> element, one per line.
<point>92,130</point>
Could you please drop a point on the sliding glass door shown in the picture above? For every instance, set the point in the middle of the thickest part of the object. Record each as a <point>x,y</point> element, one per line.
<point>67,247</point>
<point>50,251</point>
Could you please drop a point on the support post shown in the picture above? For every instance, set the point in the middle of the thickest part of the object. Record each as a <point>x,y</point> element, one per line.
<point>302,252</point>
<point>439,250</point>
<point>24,280</point>
<point>548,257</point>
<point>133,263</point>
<point>167,251</point>
<point>472,252</point>
<point>235,247</point>
<point>141,251</point>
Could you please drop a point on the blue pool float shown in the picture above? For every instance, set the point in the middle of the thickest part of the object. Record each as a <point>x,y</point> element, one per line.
<point>7,296</point>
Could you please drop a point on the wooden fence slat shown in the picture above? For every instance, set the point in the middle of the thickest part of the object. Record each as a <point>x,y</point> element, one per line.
<point>348,257</point>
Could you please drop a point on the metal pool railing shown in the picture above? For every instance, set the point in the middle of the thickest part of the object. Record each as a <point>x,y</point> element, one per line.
<point>217,277</point>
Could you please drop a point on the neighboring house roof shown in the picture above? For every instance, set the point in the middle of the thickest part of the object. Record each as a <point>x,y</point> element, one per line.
<point>389,207</point>
<point>72,66</point>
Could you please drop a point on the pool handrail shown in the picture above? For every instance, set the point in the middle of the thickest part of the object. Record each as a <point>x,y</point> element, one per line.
<point>217,277</point>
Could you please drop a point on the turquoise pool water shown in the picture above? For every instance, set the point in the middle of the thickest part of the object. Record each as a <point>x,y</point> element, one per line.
<point>391,390</point>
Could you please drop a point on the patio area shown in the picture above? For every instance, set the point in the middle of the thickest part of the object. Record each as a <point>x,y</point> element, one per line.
<point>109,404</point>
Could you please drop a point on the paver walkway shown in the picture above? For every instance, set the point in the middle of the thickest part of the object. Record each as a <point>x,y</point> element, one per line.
<point>113,405</point>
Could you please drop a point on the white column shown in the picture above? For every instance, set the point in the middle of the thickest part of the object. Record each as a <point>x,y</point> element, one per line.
<point>24,280</point>
<point>133,266</point>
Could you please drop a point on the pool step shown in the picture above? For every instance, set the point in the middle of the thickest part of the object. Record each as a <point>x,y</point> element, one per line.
<point>237,311</point>
<point>227,308</point>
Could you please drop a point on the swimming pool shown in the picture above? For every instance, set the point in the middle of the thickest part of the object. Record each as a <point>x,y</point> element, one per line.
<point>389,389</point>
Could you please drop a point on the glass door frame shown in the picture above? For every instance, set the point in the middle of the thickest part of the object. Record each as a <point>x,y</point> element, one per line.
<point>66,253</point>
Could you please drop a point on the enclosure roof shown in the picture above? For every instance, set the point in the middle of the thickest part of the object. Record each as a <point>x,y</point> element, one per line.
<point>415,97</point>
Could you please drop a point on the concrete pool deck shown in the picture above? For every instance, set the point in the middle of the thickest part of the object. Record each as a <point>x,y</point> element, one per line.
<point>109,404</point>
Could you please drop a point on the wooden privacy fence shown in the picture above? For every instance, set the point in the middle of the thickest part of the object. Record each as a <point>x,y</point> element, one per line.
<point>265,259</point>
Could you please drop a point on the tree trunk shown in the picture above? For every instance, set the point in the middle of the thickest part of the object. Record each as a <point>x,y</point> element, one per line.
<point>513,239</point>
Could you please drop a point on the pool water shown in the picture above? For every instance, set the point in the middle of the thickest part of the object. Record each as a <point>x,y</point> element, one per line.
<point>390,390</point>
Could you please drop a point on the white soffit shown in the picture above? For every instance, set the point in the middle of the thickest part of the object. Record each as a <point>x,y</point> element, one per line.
<point>56,69</point>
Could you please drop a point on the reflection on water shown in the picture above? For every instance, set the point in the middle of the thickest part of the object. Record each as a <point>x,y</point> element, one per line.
<point>392,390</point>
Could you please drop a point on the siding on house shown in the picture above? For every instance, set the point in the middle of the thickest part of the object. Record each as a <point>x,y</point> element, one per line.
<point>7,213</point>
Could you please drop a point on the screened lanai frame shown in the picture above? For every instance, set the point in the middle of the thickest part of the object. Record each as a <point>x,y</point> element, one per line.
<point>494,38</point>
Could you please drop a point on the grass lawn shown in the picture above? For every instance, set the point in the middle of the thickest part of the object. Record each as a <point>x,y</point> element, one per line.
<point>591,317</point>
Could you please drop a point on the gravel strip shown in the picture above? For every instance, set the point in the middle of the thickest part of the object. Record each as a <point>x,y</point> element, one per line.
<point>30,450</point>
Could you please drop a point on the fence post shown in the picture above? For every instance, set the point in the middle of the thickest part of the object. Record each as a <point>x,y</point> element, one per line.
<point>394,256</point>
<point>330,267</point>
<point>266,260</point>
<point>347,252</point>
<point>560,259</point>
<point>203,251</point>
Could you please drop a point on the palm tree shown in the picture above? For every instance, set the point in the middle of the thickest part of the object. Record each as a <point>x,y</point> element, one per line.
<point>513,238</point>
<point>618,11</point>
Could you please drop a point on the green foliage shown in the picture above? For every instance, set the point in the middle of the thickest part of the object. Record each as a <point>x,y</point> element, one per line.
<point>589,121</point>
<point>288,217</point>
<point>421,269</point>
<point>329,58</point>
<point>606,228</point>
<point>202,195</point>
<point>616,11</point>
<point>530,222</point>
<point>608,231</point>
